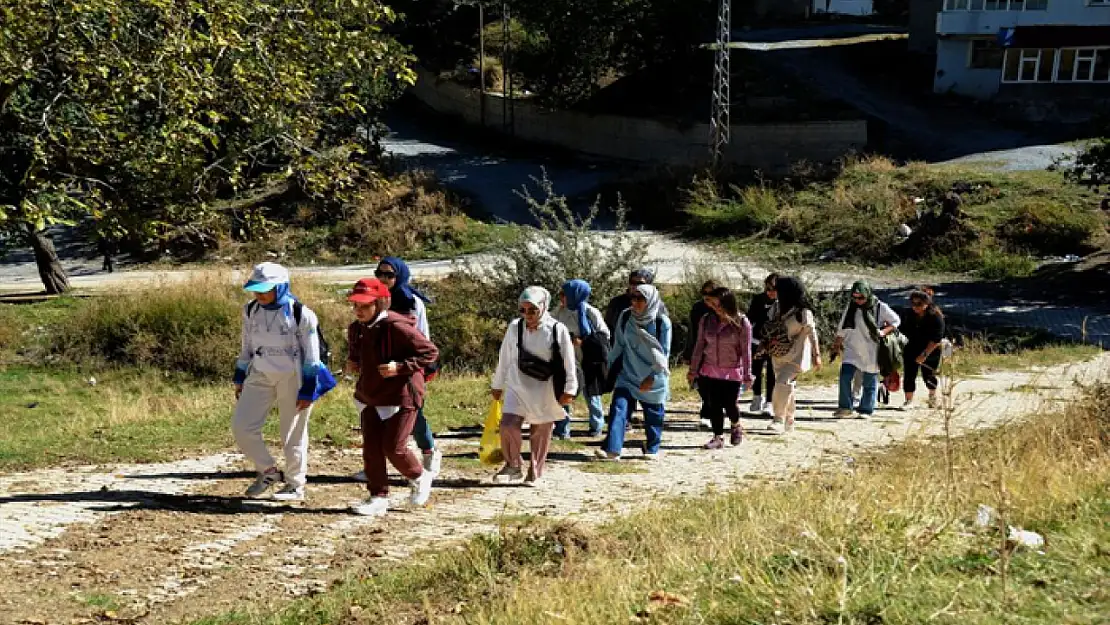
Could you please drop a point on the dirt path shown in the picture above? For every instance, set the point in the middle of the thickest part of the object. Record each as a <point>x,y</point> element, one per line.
<point>173,542</point>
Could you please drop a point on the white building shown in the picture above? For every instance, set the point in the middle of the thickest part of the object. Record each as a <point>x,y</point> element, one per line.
<point>1023,50</point>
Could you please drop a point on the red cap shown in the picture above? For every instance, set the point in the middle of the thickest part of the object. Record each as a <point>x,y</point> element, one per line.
<point>368,290</point>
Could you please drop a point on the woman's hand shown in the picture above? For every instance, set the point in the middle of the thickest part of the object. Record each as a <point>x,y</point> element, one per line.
<point>388,370</point>
<point>921,358</point>
<point>648,382</point>
<point>352,367</point>
<point>690,377</point>
<point>496,394</point>
<point>565,399</point>
<point>817,364</point>
<point>238,391</point>
<point>303,404</point>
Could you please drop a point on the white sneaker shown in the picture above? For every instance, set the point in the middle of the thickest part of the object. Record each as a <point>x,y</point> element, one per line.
<point>908,405</point>
<point>433,461</point>
<point>360,477</point>
<point>290,493</point>
<point>422,488</point>
<point>531,481</point>
<point>756,406</point>
<point>508,474</point>
<point>264,482</point>
<point>655,456</point>
<point>373,506</point>
<point>842,413</point>
<point>776,426</point>
<point>705,424</point>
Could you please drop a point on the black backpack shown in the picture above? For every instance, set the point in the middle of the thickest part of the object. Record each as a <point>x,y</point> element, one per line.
<point>298,308</point>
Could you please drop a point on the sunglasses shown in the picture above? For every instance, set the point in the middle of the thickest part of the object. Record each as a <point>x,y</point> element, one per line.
<point>529,310</point>
<point>384,275</point>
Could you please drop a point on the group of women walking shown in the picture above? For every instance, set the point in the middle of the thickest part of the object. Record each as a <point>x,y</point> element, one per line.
<point>547,359</point>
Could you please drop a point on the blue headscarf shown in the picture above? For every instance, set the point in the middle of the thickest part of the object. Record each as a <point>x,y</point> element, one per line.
<point>404,296</point>
<point>282,297</point>
<point>577,292</point>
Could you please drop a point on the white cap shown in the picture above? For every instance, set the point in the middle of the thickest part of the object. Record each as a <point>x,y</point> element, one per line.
<point>265,277</point>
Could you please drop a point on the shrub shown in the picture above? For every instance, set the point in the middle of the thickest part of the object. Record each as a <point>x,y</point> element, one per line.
<point>468,337</point>
<point>562,247</point>
<point>753,209</point>
<point>1044,226</point>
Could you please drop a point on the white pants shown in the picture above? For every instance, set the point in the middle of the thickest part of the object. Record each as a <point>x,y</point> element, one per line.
<point>260,392</point>
<point>783,400</point>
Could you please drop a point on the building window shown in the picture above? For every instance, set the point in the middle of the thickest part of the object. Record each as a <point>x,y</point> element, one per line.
<point>985,54</point>
<point>1084,65</point>
<point>1003,5</point>
<point>1029,65</point>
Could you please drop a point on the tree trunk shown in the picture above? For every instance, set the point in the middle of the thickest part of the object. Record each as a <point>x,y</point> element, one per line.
<point>46,257</point>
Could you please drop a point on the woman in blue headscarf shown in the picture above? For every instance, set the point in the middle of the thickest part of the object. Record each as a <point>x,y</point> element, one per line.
<point>406,300</point>
<point>278,363</point>
<point>591,350</point>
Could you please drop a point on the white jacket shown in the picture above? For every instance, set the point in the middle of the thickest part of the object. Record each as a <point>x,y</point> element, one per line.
<point>526,396</point>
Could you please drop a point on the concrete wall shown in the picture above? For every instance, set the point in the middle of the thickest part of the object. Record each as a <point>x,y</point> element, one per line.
<point>765,146</point>
<point>953,73</point>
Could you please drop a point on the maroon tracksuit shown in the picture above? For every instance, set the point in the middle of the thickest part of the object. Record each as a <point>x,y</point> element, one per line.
<point>394,338</point>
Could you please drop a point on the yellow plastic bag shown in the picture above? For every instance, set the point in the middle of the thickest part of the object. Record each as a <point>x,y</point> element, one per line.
<point>490,451</point>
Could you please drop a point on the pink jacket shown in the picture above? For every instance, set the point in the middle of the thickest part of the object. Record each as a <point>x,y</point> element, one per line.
<point>723,351</point>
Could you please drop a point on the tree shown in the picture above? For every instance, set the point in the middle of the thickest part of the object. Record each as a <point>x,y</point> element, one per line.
<point>149,115</point>
<point>1091,164</point>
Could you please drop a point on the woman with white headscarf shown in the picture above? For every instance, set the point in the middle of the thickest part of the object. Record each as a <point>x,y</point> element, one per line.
<point>639,361</point>
<point>536,378</point>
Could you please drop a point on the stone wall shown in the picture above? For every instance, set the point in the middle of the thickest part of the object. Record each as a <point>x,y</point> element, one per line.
<point>766,146</point>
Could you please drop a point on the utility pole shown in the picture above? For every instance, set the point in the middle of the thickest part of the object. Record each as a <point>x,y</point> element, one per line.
<point>508,114</point>
<point>719,130</point>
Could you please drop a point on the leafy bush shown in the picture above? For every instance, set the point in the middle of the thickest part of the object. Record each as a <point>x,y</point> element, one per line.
<point>562,247</point>
<point>752,209</point>
<point>468,337</point>
<point>1044,226</point>
<point>1091,166</point>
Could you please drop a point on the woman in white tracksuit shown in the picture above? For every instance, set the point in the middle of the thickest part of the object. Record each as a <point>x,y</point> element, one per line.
<point>278,363</point>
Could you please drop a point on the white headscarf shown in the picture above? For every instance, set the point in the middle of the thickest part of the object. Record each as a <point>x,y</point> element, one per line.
<point>538,297</point>
<point>642,320</point>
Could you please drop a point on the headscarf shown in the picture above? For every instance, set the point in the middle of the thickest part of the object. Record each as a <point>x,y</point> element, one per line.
<point>404,296</point>
<point>642,320</point>
<point>282,297</point>
<point>643,273</point>
<point>863,288</point>
<point>577,292</point>
<point>538,297</point>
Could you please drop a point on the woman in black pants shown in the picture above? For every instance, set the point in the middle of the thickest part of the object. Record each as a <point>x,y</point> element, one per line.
<point>924,327</point>
<point>757,314</point>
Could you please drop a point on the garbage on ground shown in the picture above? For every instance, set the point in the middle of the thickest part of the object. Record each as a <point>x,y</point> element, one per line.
<point>985,516</point>
<point>1025,538</point>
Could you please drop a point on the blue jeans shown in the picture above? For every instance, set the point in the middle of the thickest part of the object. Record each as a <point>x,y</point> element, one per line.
<point>422,433</point>
<point>870,389</point>
<point>597,417</point>
<point>620,409</point>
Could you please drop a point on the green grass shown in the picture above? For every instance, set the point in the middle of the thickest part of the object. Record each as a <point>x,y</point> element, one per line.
<point>103,601</point>
<point>893,542</point>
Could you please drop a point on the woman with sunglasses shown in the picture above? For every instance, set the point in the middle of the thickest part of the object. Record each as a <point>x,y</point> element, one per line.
<point>924,329</point>
<point>395,274</point>
<point>866,321</point>
<point>643,349</point>
<point>763,370</point>
<point>722,364</point>
<point>536,336</point>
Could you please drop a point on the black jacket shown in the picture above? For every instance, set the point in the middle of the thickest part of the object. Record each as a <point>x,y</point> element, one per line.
<point>758,312</point>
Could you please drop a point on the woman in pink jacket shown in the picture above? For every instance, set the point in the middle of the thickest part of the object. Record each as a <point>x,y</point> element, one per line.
<point>722,364</point>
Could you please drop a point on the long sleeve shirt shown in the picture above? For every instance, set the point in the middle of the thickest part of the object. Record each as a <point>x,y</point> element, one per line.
<point>758,313</point>
<point>920,331</point>
<point>638,363</point>
<point>569,318</point>
<point>523,395</point>
<point>803,338</point>
<point>274,344</point>
<point>860,350</point>
<point>723,351</point>
<point>392,337</point>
